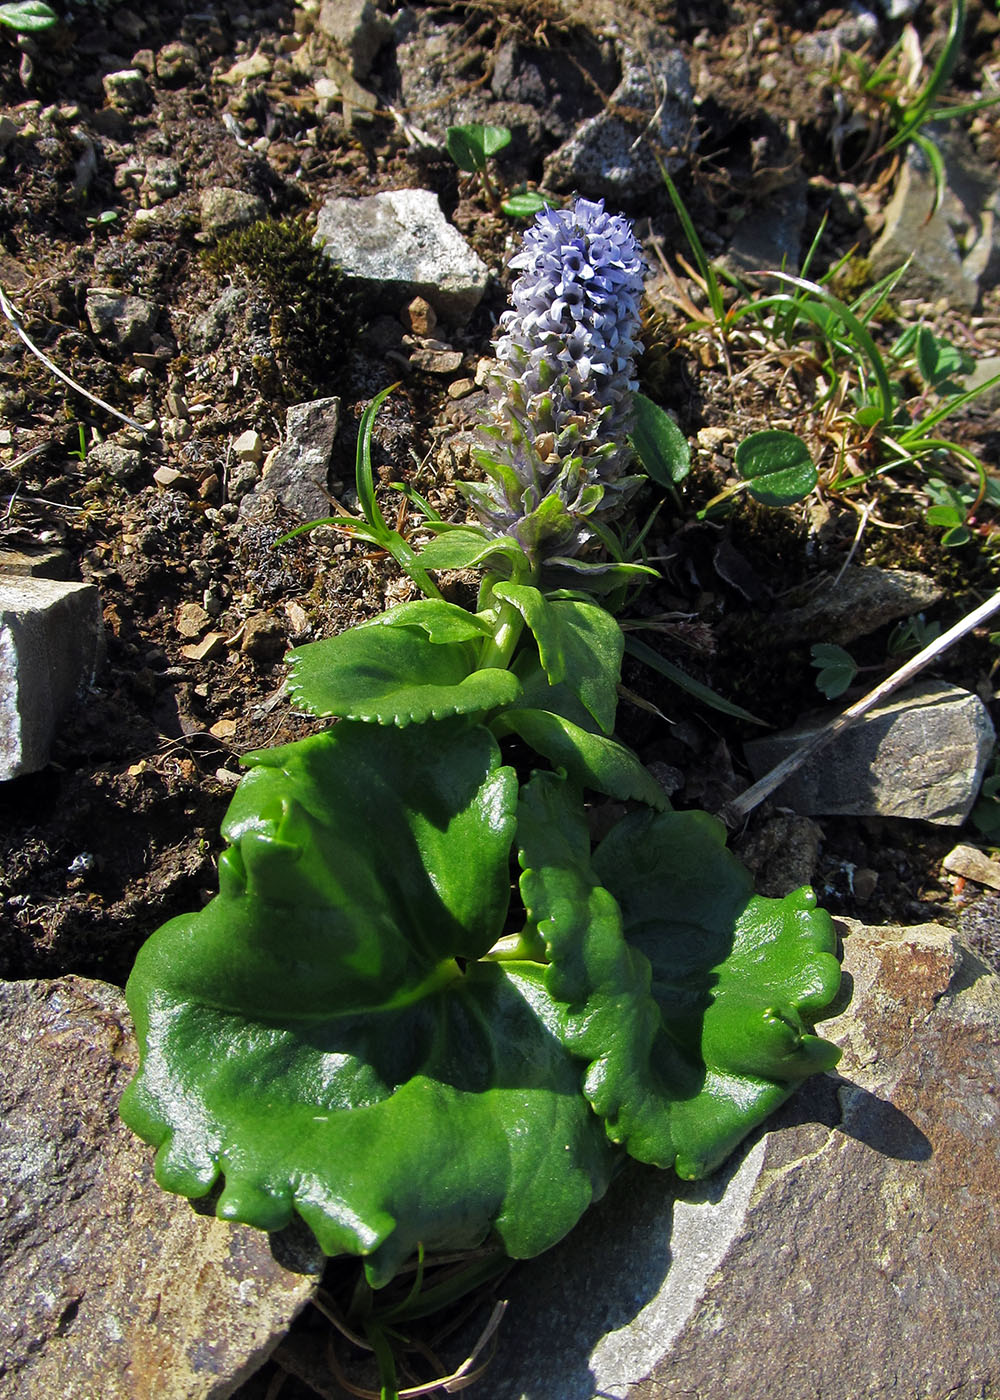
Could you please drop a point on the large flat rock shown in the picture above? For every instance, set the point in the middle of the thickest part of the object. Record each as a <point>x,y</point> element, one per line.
<point>849,1253</point>
<point>921,754</point>
<point>110,1289</point>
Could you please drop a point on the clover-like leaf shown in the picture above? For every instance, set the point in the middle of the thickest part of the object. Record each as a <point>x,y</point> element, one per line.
<point>310,1040</point>
<point>395,675</point>
<point>689,998</point>
<point>580,645</point>
<point>776,466</point>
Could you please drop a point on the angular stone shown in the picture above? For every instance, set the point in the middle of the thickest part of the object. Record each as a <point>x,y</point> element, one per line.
<point>51,642</point>
<point>358,29</point>
<point>861,600</point>
<point>922,755</point>
<point>223,210</point>
<point>849,1251</point>
<point>127,90</point>
<point>109,1286</point>
<point>947,248</point>
<point>36,561</point>
<point>119,319</point>
<point>613,153</point>
<point>402,246</point>
<point>297,472</point>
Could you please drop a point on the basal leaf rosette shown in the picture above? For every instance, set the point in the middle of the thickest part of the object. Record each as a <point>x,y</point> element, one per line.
<point>314,1040</point>
<point>691,1000</point>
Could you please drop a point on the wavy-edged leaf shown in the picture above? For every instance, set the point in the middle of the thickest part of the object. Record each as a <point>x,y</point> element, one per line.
<point>590,760</point>
<point>580,646</point>
<point>309,1040</point>
<point>689,998</point>
<point>394,675</point>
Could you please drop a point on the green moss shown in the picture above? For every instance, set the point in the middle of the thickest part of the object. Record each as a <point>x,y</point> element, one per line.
<point>315,316</point>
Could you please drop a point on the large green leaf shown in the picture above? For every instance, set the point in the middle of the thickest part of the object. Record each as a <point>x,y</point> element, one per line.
<point>310,1040</point>
<point>395,675</point>
<point>580,646</point>
<point>690,999</point>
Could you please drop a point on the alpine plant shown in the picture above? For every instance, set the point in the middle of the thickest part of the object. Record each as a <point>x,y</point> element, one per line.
<point>555,444</point>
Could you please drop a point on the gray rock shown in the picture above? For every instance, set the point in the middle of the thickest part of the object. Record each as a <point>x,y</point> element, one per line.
<point>614,152</point>
<point>770,235</point>
<point>36,561</point>
<point>948,247</point>
<point>854,604</point>
<point>113,460</point>
<point>358,29</point>
<point>127,90</point>
<point>219,321</point>
<point>51,642</point>
<point>110,1287</point>
<point>297,473</point>
<point>402,246</point>
<point>922,754</point>
<point>119,319</point>
<point>850,1251</point>
<point>177,63</point>
<point>986,369</point>
<point>820,50</point>
<point>223,210</point>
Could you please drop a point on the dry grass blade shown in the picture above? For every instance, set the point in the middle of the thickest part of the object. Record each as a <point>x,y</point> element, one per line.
<point>11,313</point>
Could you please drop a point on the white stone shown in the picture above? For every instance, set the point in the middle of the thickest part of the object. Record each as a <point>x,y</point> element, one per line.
<point>402,244</point>
<point>51,641</point>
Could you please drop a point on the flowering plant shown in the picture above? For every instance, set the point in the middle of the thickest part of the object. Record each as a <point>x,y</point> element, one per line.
<point>368,1026</point>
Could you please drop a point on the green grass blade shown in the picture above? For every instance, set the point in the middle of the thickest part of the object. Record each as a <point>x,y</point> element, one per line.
<point>363,466</point>
<point>918,113</point>
<point>708,273</point>
<point>859,333</point>
<point>704,693</point>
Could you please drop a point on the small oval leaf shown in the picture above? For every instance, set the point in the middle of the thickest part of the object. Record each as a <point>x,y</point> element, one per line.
<point>525,205</point>
<point>659,444</point>
<point>777,467</point>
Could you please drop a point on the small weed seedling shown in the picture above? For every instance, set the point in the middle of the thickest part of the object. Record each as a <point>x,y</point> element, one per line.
<point>471,147</point>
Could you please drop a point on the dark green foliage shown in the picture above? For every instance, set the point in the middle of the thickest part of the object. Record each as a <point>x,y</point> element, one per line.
<point>315,314</point>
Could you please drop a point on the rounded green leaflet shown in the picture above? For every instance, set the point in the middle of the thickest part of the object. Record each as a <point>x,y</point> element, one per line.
<point>314,1039</point>
<point>776,466</point>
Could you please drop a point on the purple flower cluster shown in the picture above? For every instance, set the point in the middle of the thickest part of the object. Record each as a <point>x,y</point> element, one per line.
<point>556,438</point>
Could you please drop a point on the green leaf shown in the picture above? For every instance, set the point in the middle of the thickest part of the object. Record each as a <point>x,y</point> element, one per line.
<point>395,675</point>
<point>590,760</point>
<point>442,622</point>
<point>837,668</point>
<point>467,547</point>
<point>938,360</point>
<point>309,1041</point>
<point>471,145</point>
<point>776,466</point>
<point>28,16</point>
<point>659,444</point>
<point>525,205</point>
<point>691,999</point>
<point>580,645</point>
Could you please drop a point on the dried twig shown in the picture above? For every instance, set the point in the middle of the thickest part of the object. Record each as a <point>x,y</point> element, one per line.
<point>736,811</point>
